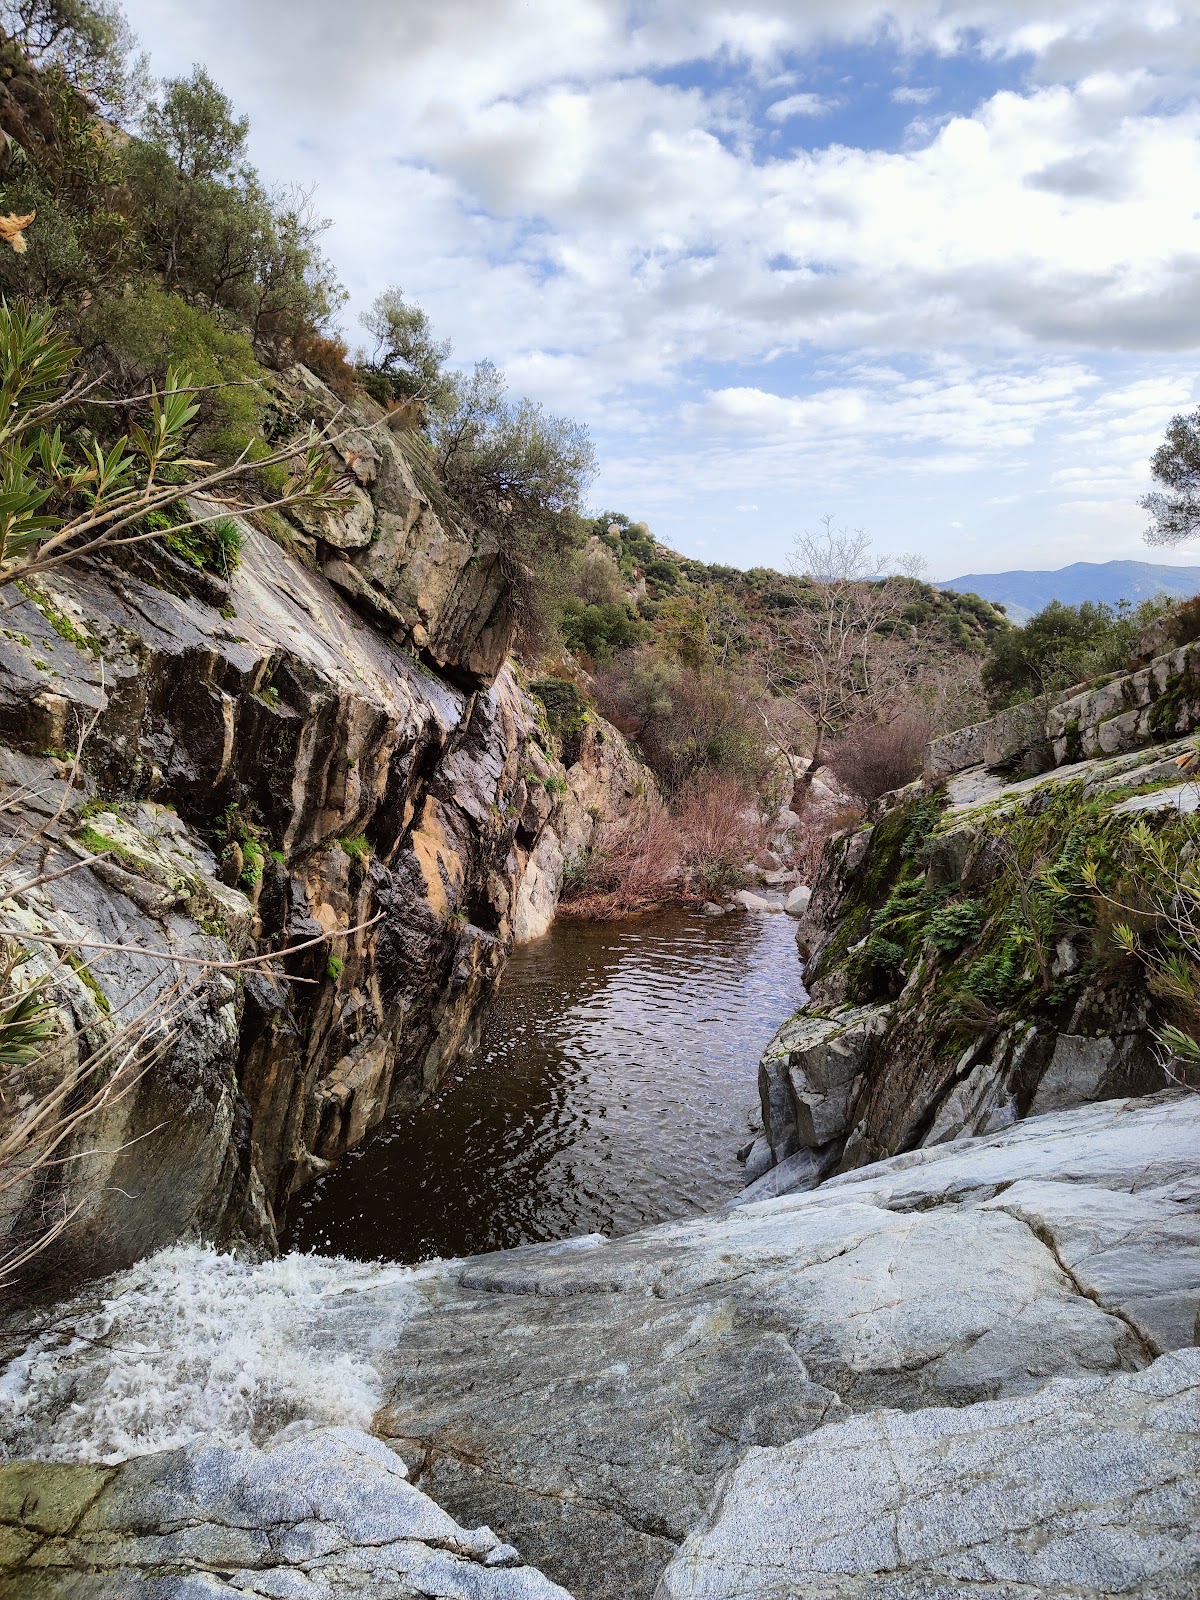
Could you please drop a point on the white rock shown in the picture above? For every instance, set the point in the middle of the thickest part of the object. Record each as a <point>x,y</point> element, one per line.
<point>749,901</point>
<point>797,902</point>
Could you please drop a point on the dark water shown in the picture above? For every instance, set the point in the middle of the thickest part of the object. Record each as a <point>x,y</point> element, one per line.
<point>617,1064</point>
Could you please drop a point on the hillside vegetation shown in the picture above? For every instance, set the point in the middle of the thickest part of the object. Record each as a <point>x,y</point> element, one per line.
<point>135,214</point>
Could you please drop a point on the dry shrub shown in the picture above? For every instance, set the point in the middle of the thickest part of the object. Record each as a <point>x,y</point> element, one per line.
<point>632,864</point>
<point>656,856</point>
<point>719,831</point>
<point>328,359</point>
<point>872,758</point>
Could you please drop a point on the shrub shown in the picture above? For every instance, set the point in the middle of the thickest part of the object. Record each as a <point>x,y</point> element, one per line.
<point>684,721</point>
<point>518,472</point>
<point>405,360</point>
<point>143,333</point>
<point>598,631</point>
<point>1185,622</point>
<point>327,357</point>
<point>873,758</point>
<point>951,927</point>
<point>662,574</point>
<point>632,864</point>
<point>1064,645</point>
<point>719,831</point>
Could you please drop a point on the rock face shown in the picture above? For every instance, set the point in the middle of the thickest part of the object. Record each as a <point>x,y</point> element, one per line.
<point>950,1373</point>
<point>327,1515</point>
<point>604,781</point>
<point>262,767</point>
<point>960,920</point>
<point>1050,1494</point>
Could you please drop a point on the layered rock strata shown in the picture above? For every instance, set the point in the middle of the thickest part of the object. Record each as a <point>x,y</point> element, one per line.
<point>265,767</point>
<point>963,973</point>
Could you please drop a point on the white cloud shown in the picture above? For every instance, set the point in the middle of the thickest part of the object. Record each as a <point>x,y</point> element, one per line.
<point>529,174</point>
<point>801,105</point>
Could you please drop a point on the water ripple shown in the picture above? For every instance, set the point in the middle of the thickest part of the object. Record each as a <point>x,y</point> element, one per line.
<point>611,1088</point>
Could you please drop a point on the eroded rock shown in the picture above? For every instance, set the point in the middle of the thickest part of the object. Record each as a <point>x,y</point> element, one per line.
<point>586,1399</point>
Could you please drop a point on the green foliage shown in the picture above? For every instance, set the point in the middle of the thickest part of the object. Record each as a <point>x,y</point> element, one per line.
<point>357,848</point>
<point>684,721</point>
<point>999,977</point>
<point>922,816</point>
<point>950,927</point>
<point>598,631</point>
<point>405,360</point>
<point>237,829</point>
<point>566,707</point>
<point>662,574</point>
<point>334,968</point>
<point>518,472</point>
<point>876,968</point>
<point>89,41</point>
<point>62,495</point>
<point>1064,645</point>
<point>1175,513</point>
<point>211,547</point>
<point>148,332</point>
<point>26,1018</point>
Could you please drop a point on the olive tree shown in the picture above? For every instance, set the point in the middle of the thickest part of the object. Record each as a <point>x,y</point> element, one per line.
<point>63,497</point>
<point>405,359</point>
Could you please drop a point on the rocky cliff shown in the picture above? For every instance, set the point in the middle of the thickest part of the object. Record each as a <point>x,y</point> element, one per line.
<point>965,953</point>
<point>325,743</point>
<point>965,1372</point>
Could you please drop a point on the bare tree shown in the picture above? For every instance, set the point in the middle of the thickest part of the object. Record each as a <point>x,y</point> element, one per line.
<point>838,641</point>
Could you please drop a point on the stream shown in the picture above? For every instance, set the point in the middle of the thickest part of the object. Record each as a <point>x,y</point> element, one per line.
<point>612,1087</point>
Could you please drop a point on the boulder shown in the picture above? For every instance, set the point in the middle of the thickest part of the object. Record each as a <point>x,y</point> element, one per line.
<point>798,901</point>
<point>749,901</point>
<point>329,1515</point>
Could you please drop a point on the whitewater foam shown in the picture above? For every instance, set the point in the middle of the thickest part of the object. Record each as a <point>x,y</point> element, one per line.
<point>193,1345</point>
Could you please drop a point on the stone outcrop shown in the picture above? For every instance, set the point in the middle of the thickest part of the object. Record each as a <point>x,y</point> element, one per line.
<point>264,768</point>
<point>1049,1494</point>
<point>604,781</point>
<point>960,921</point>
<point>327,1515</point>
<point>400,552</point>
<point>1121,712</point>
<point>951,1373</point>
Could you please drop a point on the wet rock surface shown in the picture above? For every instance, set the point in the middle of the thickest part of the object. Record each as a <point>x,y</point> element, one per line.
<point>947,1371</point>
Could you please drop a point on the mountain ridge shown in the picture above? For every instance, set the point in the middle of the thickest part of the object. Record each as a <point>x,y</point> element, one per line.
<point>1023,592</point>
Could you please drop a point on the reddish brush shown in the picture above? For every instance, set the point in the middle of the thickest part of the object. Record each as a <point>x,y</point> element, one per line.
<point>658,856</point>
<point>872,758</point>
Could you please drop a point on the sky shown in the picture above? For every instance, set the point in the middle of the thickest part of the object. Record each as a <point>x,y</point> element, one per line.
<point>931,267</point>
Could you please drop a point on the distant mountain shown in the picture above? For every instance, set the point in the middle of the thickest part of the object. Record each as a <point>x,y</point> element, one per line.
<point>1023,593</point>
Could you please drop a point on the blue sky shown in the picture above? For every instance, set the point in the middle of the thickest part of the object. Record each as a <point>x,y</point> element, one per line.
<point>931,266</point>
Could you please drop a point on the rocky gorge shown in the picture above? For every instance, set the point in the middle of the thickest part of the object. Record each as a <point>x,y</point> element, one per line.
<point>325,750</point>
<point>943,1344</point>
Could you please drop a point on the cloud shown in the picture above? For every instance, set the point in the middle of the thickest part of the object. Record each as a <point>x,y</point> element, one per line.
<point>582,189</point>
<point>801,105</point>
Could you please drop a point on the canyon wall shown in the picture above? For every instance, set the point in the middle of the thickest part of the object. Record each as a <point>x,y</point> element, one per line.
<point>327,742</point>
